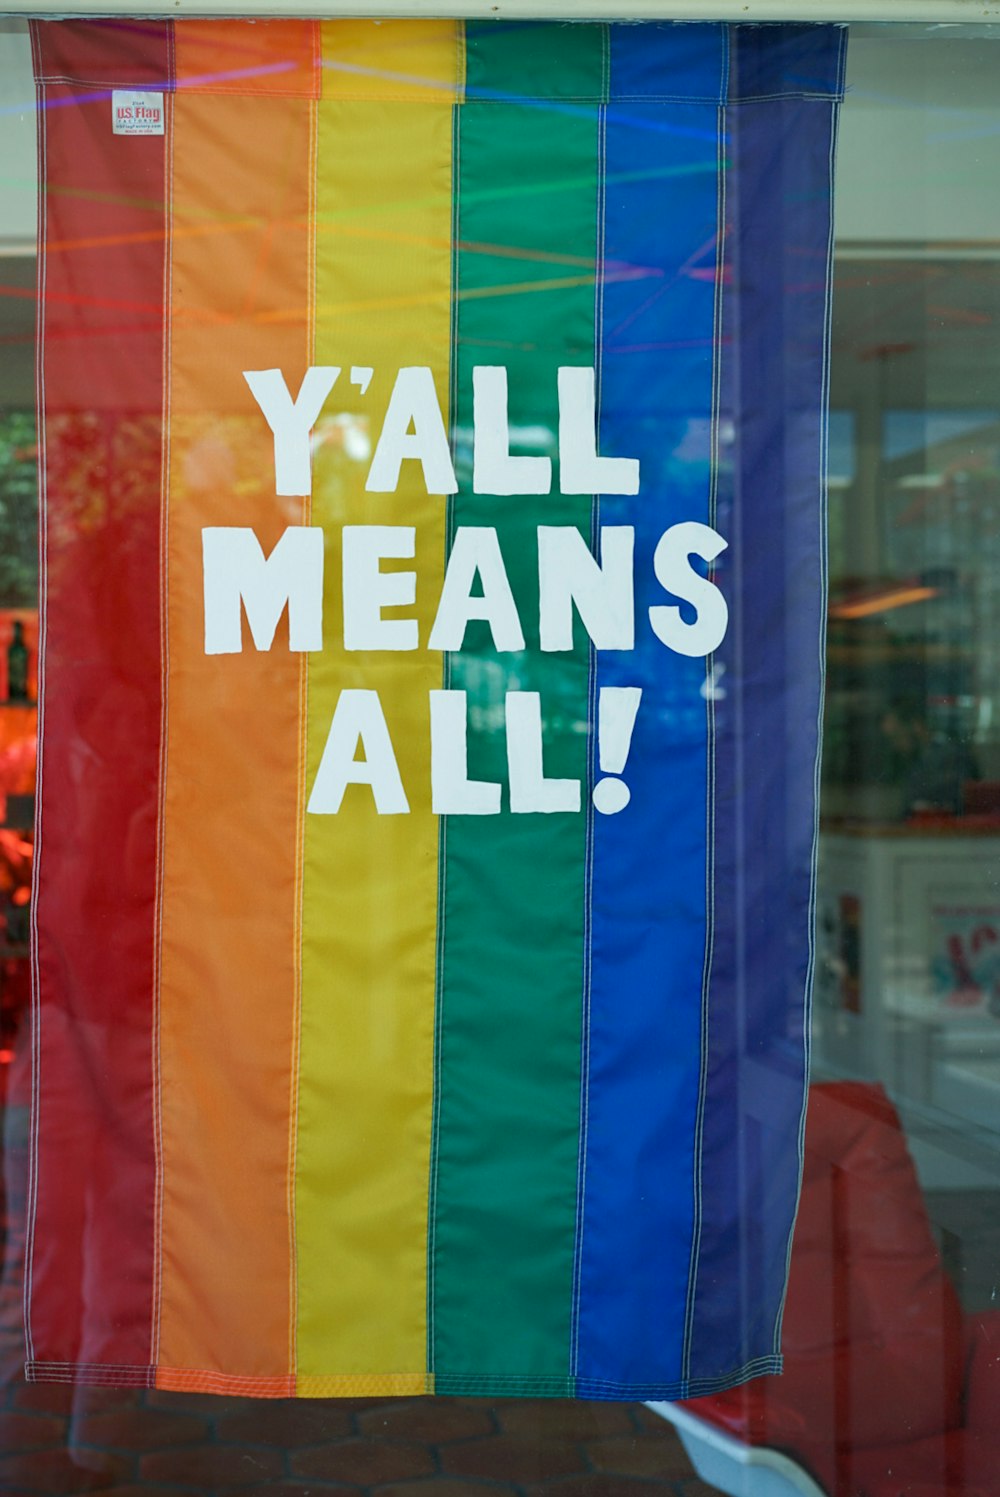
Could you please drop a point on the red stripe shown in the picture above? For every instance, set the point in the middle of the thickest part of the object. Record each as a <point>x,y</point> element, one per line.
<point>101,384</point>
<point>118,52</point>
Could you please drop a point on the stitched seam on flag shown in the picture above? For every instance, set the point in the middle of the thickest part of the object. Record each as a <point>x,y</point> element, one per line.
<point>317,60</point>
<point>119,1370</point>
<point>360,1384</point>
<point>112,1374</point>
<point>161,781</point>
<point>71,80</point>
<point>298,893</point>
<point>818,765</point>
<point>710,745</point>
<point>588,873</point>
<point>110,1369</point>
<point>482,97</point>
<point>738,811</point>
<point>187,1378</point>
<point>388,96</point>
<point>36,1004</point>
<point>442,904</point>
<point>470,1382</point>
<point>96,1374</point>
<point>176,85</point>
<point>205,91</point>
<point>791,96</point>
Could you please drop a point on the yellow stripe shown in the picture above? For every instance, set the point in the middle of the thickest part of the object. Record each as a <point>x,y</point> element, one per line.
<point>418,62</point>
<point>370,882</point>
<point>364,1385</point>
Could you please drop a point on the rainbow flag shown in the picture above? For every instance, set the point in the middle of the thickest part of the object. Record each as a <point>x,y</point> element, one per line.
<point>432,433</point>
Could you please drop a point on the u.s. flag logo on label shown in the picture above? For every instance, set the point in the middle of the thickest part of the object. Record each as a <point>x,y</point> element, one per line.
<point>136,113</point>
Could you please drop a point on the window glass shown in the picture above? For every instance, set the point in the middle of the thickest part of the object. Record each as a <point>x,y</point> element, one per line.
<point>906,1032</point>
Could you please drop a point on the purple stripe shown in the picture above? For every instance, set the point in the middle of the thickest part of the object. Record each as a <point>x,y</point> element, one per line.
<point>774,321</point>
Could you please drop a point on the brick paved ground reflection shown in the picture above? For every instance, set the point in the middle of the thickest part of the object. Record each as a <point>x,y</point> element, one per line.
<point>64,1441</point>
<point>67,1441</point>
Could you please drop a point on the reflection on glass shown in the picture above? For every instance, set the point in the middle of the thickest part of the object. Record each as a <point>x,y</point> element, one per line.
<point>908,984</point>
<point>908,970</point>
<point>910,987</point>
<point>18,729</point>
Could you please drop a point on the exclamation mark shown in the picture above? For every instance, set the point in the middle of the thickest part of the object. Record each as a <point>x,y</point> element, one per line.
<point>616,713</point>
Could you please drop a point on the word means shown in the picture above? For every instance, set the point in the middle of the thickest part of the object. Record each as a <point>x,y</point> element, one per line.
<point>238,576</point>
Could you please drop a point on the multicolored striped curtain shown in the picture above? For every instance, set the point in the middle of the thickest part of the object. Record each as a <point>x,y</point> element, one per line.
<point>352,1085</point>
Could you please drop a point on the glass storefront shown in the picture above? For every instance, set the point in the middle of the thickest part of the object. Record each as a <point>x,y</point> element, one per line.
<point>906,994</point>
<point>906,1006</point>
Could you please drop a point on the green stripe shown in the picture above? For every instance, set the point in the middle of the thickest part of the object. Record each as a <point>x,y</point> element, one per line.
<point>534,60</point>
<point>512,896</point>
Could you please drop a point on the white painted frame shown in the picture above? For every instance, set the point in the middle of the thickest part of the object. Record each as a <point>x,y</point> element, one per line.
<point>731,1465</point>
<point>929,12</point>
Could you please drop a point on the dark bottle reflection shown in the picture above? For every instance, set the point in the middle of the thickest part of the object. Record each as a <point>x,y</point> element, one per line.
<point>17,666</point>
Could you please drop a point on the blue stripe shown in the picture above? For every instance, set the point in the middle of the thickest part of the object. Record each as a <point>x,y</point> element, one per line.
<point>661,60</point>
<point>774,323</point>
<point>648,890</point>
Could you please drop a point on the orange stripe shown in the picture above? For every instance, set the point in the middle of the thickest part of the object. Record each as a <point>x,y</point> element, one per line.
<point>270,58</point>
<point>230,892</point>
<point>181,1380</point>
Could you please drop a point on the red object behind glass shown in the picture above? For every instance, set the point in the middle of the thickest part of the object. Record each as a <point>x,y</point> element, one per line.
<point>888,1391</point>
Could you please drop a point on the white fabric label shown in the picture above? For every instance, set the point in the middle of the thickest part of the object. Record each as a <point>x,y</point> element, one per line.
<point>136,113</point>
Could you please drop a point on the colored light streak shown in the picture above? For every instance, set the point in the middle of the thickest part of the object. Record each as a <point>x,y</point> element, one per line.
<point>881,602</point>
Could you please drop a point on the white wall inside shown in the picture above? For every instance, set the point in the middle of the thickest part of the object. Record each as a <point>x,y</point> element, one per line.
<point>919,151</point>
<point>18,169</point>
